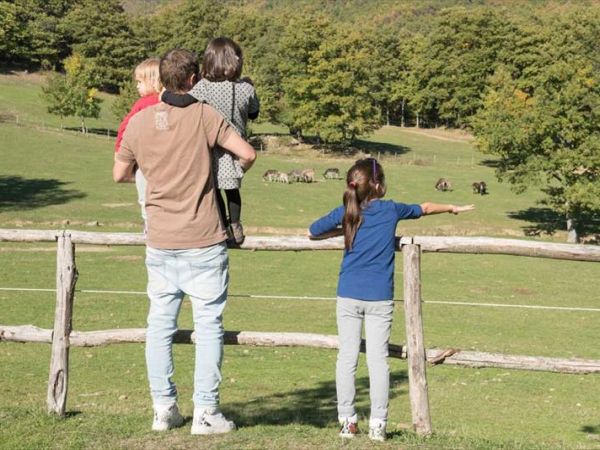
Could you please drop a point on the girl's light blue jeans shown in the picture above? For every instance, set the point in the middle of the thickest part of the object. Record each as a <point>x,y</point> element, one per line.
<point>203,275</point>
<point>377,318</point>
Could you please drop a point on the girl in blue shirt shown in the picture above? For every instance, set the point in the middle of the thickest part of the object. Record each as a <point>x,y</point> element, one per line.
<point>365,289</point>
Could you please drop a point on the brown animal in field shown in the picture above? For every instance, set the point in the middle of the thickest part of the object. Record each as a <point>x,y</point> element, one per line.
<point>271,175</point>
<point>479,187</point>
<point>308,175</point>
<point>443,185</point>
<point>283,178</point>
<point>332,174</point>
<point>295,175</point>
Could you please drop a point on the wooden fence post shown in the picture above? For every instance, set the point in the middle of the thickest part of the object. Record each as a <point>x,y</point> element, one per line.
<point>66,277</point>
<point>417,377</point>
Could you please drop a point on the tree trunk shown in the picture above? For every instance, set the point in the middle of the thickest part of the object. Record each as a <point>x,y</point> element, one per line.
<point>572,235</point>
<point>387,114</point>
<point>418,121</point>
<point>402,123</point>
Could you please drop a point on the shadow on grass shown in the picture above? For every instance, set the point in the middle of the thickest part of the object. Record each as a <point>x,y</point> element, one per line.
<point>492,163</point>
<point>590,429</point>
<point>17,193</point>
<point>546,221</point>
<point>315,406</point>
<point>380,147</point>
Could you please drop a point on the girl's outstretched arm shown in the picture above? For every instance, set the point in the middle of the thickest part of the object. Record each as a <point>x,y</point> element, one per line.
<point>329,234</point>
<point>436,208</point>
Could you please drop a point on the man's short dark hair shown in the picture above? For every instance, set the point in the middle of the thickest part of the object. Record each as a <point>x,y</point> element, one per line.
<point>176,68</point>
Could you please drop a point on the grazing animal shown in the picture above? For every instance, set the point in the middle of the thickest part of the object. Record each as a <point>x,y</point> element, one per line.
<point>295,175</point>
<point>308,175</point>
<point>332,174</point>
<point>283,178</point>
<point>271,175</point>
<point>443,185</point>
<point>479,187</point>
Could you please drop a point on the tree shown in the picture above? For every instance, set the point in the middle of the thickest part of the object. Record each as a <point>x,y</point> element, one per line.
<point>459,55</point>
<point>72,94</point>
<point>128,95</point>
<point>301,38</point>
<point>30,32</point>
<point>388,70</point>
<point>550,138</point>
<point>100,32</point>
<point>334,99</point>
<point>542,117</point>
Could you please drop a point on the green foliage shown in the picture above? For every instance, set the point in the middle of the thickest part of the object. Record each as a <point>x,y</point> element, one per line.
<point>459,54</point>
<point>31,33</point>
<point>544,123</point>
<point>335,99</point>
<point>100,32</point>
<point>128,95</point>
<point>195,21</point>
<point>73,94</point>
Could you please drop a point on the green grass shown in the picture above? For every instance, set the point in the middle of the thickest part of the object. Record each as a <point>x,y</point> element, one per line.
<point>284,397</point>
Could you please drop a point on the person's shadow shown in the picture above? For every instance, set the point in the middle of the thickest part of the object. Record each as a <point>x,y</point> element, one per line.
<point>314,406</point>
<point>18,193</point>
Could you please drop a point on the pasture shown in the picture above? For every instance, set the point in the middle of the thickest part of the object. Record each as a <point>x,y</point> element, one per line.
<point>284,397</point>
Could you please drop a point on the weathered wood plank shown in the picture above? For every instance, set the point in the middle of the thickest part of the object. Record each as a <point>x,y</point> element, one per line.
<point>480,245</point>
<point>66,277</point>
<point>415,341</point>
<point>30,333</point>
<point>439,244</point>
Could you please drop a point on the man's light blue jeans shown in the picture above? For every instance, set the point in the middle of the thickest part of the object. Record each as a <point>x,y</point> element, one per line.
<point>202,274</point>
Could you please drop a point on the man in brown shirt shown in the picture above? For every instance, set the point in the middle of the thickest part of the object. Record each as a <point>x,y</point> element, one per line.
<point>186,251</point>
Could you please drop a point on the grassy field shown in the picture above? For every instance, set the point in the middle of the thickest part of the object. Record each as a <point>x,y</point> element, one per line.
<point>284,398</point>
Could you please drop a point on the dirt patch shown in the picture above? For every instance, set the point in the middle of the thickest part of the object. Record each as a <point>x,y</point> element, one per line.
<point>523,291</point>
<point>443,134</point>
<point>116,205</point>
<point>24,75</point>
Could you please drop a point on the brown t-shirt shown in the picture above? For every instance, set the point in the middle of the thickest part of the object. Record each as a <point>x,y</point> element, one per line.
<point>172,148</point>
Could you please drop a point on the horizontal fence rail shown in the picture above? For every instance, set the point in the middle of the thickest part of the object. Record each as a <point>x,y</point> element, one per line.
<point>433,244</point>
<point>30,333</point>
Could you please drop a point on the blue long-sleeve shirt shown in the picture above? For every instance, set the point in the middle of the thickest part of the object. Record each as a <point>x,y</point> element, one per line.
<point>367,271</point>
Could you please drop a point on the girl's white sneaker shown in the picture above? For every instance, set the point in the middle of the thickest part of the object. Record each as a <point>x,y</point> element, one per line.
<point>377,430</point>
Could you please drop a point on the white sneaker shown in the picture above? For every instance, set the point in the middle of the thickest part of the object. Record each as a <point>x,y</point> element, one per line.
<point>166,417</point>
<point>377,430</point>
<point>348,426</point>
<point>211,421</point>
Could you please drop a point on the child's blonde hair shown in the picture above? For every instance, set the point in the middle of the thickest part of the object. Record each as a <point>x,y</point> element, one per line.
<point>148,70</point>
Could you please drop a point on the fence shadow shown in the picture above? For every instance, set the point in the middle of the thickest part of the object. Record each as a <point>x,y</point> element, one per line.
<point>315,406</point>
<point>17,193</point>
<point>546,221</point>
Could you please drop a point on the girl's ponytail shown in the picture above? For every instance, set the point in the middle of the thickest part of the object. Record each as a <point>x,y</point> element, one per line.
<point>365,181</point>
<point>352,215</point>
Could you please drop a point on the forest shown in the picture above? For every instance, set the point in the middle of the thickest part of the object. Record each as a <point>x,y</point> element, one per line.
<point>522,76</point>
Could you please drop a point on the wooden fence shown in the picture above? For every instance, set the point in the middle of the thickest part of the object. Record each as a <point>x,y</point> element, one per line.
<point>62,336</point>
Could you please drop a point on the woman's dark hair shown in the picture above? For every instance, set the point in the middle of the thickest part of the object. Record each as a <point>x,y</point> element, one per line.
<point>365,181</point>
<point>222,60</point>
